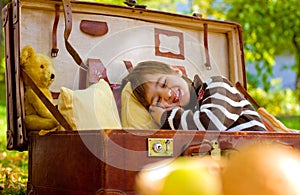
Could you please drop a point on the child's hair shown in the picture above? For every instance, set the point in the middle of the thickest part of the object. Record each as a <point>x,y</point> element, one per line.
<point>137,80</point>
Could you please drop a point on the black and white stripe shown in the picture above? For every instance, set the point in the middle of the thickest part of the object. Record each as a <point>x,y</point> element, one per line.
<point>221,108</point>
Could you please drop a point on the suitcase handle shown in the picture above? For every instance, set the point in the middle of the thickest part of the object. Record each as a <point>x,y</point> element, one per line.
<point>199,149</point>
<point>205,147</point>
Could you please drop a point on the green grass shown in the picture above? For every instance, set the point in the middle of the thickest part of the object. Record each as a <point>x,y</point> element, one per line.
<point>292,122</point>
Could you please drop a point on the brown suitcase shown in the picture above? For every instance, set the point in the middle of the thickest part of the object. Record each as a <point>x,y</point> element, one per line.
<point>106,161</point>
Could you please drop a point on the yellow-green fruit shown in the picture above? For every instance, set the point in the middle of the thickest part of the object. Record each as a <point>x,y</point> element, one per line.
<point>262,169</point>
<point>183,175</point>
<point>193,177</point>
<point>191,182</point>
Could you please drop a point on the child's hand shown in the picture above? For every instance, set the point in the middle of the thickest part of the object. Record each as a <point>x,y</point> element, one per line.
<point>156,113</point>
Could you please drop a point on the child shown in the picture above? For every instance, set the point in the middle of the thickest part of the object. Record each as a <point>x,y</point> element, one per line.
<point>175,102</point>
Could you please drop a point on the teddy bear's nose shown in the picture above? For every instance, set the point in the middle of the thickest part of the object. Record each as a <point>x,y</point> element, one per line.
<point>52,76</point>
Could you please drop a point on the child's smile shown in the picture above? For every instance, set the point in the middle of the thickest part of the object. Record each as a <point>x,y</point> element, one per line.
<point>167,91</point>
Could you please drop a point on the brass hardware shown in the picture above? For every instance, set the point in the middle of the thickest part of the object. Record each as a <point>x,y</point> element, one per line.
<point>208,67</point>
<point>160,147</point>
<point>197,15</point>
<point>216,151</point>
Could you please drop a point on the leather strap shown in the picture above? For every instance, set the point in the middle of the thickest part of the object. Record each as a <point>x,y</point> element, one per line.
<point>241,43</point>
<point>207,63</point>
<point>54,49</point>
<point>67,32</point>
<point>128,65</point>
<point>54,111</point>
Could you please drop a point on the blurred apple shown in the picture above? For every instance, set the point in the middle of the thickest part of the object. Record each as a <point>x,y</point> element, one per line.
<point>271,169</point>
<point>183,175</point>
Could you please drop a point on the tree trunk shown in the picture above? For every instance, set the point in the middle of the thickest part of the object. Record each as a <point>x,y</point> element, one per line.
<point>298,77</point>
<point>297,59</point>
<point>298,73</point>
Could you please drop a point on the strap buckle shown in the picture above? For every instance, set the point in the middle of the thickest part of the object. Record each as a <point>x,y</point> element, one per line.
<point>54,52</point>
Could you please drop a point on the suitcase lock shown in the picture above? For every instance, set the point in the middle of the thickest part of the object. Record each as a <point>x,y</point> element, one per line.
<point>160,147</point>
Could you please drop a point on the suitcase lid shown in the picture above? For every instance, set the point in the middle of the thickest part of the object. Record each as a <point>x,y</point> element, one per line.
<point>116,37</point>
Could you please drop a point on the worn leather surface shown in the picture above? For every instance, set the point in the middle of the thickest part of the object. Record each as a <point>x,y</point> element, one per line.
<point>106,161</point>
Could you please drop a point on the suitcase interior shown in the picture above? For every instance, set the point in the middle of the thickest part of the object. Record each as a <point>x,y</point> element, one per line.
<point>132,35</point>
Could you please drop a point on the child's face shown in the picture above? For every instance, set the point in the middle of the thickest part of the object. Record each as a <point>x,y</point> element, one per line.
<point>167,90</point>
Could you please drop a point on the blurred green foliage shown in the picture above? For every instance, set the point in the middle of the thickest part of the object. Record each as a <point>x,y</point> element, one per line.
<point>277,102</point>
<point>270,28</point>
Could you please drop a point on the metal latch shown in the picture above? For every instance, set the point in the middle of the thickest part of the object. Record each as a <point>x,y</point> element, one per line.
<point>160,147</point>
<point>216,151</point>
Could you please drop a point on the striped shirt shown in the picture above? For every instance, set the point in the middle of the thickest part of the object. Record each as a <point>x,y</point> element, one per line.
<point>215,105</point>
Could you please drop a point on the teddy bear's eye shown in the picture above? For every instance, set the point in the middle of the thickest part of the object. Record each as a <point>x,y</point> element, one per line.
<point>42,66</point>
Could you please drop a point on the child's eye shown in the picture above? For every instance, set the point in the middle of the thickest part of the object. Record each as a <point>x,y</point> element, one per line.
<point>164,83</point>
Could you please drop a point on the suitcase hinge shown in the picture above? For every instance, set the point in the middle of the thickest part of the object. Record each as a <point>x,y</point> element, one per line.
<point>133,3</point>
<point>4,16</point>
<point>197,15</point>
<point>15,9</point>
<point>10,139</point>
<point>30,189</point>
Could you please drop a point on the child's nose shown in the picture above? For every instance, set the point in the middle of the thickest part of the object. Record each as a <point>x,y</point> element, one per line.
<point>167,94</point>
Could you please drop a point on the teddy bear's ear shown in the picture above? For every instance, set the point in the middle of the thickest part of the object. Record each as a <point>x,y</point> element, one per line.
<point>26,54</point>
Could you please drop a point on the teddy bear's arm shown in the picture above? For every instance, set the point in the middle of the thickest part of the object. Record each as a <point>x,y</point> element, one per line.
<point>38,105</point>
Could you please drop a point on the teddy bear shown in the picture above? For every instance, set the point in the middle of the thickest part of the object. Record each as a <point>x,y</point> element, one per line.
<point>40,69</point>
